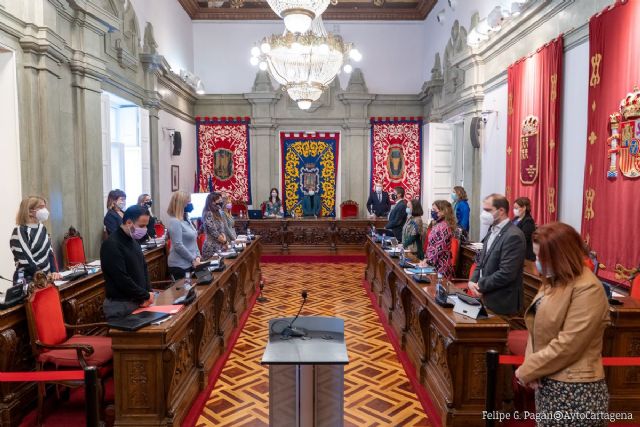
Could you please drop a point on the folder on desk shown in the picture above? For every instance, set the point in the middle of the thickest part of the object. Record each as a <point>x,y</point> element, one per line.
<point>169,309</point>
<point>133,322</point>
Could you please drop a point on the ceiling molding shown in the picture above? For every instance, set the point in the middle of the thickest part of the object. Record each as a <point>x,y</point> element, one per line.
<point>362,10</point>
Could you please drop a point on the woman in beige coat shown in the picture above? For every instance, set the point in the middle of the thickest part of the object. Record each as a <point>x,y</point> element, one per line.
<point>566,323</point>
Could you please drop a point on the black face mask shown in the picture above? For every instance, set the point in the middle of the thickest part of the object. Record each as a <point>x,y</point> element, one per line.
<point>149,203</point>
<point>394,196</point>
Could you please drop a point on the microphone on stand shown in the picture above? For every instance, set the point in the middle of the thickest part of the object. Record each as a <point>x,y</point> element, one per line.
<point>290,331</point>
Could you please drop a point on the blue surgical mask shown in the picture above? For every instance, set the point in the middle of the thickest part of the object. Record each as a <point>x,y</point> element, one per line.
<point>188,208</point>
<point>408,211</point>
<point>454,196</point>
<point>539,266</point>
<point>434,215</point>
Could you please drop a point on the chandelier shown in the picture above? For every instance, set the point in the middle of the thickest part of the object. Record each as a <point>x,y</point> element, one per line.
<point>298,14</point>
<point>305,64</point>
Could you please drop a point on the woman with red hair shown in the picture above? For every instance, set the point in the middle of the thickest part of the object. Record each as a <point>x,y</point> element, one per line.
<point>566,323</point>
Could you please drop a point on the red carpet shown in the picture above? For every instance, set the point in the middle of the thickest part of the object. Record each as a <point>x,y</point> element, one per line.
<point>313,258</point>
<point>421,392</point>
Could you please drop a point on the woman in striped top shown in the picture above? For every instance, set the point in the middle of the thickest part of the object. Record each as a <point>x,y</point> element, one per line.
<point>30,242</point>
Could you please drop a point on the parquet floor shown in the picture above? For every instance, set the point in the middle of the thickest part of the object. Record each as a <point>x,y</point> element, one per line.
<point>377,391</point>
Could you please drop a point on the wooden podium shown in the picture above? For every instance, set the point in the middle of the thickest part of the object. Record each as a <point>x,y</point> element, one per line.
<point>306,374</point>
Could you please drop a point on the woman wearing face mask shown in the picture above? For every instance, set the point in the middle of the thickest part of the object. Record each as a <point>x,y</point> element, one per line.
<point>116,204</point>
<point>273,206</point>
<point>439,248</point>
<point>213,224</point>
<point>229,228</point>
<point>461,207</point>
<point>523,219</point>
<point>145,201</point>
<point>566,323</point>
<point>29,241</point>
<point>412,229</point>
<point>184,254</point>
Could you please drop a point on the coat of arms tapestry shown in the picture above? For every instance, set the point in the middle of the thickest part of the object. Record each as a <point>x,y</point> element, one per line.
<point>223,156</point>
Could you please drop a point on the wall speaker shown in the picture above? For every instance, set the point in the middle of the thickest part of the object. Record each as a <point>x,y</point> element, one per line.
<point>177,144</point>
<point>474,133</point>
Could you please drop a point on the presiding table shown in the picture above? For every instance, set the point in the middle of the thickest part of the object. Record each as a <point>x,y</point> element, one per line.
<point>622,337</point>
<point>81,303</point>
<point>160,369</point>
<point>447,350</point>
<point>291,235</point>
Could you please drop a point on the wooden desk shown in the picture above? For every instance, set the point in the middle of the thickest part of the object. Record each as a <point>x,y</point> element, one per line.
<point>159,370</point>
<point>622,338</point>
<point>447,350</point>
<point>291,235</point>
<point>81,303</point>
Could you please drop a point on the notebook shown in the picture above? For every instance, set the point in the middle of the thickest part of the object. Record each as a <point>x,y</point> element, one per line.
<point>133,322</point>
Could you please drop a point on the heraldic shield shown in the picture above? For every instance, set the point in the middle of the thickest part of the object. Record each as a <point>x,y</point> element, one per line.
<point>223,164</point>
<point>529,150</point>
<point>395,163</point>
<point>310,178</point>
<point>625,137</point>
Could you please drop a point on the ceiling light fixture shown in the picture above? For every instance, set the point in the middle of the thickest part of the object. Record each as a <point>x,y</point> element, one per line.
<point>298,14</point>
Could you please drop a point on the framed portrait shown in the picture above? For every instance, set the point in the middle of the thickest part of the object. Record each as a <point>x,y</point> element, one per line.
<point>175,177</point>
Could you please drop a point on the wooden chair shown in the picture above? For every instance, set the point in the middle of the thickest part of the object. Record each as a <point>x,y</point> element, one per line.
<point>73,249</point>
<point>238,206</point>
<point>349,209</point>
<point>53,348</point>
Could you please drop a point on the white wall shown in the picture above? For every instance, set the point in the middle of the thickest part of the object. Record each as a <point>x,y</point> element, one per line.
<point>573,145</point>
<point>172,29</point>
<point>493,150</point>
<point>392,53</point>
<point>186,160</point>
<point>10,148</point>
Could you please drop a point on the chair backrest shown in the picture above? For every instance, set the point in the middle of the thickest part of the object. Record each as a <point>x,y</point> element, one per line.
<point>44,315</point>
<point>263,207</point>
<point>635,287</point>
<point>472,269</point>
<point>73,251</point>
<point>349,209</point>
<point>455,250</point>
<point>160,229</point>
<point>201,238</point>
<point>426,239</point>
<point>237,207</point>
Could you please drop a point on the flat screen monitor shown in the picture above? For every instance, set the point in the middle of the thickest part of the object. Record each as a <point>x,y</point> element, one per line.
<point>198,200</point>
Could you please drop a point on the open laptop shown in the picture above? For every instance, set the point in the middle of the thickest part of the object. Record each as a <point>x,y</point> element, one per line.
<point>255,214</point>
<point>133,322</point>
<point>13,296</point>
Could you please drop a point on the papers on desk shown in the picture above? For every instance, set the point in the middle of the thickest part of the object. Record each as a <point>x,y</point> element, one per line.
<point>227,253</point>
<point>420,270</point>
<point>59,283</point>
<point>95,263</point>
<point>169,309</point>
<point>476,245</point>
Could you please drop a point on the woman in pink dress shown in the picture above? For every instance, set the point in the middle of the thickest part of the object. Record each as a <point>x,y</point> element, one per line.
<point>439,250</point>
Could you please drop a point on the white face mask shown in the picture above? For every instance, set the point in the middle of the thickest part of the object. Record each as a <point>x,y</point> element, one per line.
<point>516,212</point>
<point>122,205</point>
<point>378,189</point>
<point>408,211</point>
<point>274,195</point>
<point>486,218</point>
<point>311,192</point>
<point>42,215</point>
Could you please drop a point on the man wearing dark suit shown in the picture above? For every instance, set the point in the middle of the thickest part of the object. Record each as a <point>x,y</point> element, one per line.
<point>378,203</point>
<point>398,214</point>
<point>498,276</point>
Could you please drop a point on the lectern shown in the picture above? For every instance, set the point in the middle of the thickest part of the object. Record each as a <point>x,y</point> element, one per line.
<point>306,374</point>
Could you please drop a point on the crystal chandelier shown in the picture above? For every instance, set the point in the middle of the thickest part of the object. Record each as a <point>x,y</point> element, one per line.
<point>305,64</point>
<point>298,14</point>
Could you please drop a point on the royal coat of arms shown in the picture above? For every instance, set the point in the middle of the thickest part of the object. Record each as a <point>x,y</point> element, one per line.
<point>223,164</point>
<point>310,178</point>
<point>529,150</point>
<point>395,163</point>
<point>624,141</point>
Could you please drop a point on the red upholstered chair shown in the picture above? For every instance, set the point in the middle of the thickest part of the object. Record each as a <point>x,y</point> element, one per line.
<point>73,249</point>
<point>462,283</point>
<point>349,209</point>
<point>635,287</point>
<point>425,245</point>
<point>238,206</point>
<point>455,250</point>
<point>53,348</point>
<point>263,207</point>
<point>201,239</point>
<point>160,229</point>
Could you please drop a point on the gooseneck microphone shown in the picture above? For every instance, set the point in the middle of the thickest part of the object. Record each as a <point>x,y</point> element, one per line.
<point>290,331</point>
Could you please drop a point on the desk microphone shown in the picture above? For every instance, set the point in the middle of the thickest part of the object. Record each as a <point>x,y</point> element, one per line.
<point>290,331</point>
<point>8,280</point>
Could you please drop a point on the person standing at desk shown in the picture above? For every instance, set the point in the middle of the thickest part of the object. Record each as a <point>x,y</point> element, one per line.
<point>30,242</point>
<point>311,204</point>
<point>229,223</point>
<point>127,284</point>
<point>398,214</point>
<point>461,207</point>
<point>412,229</point>
<point>378,203</point>
<point>116,203</point>
<point>184,254</point>
<point>439,248</point>
<point>498,276</point>
<point>145,201</point>
<point>213,225</point>
<point>523,219</point>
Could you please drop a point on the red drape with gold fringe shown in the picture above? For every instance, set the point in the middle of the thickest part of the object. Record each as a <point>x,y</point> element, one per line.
<point>533,130</point>
<point>611,191</point>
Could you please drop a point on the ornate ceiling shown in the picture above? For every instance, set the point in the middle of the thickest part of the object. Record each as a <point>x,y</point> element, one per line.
<point>392,10</point>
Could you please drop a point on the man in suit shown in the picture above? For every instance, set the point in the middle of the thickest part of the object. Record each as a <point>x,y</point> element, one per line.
<point>378,203</point>
<point>398,214</point>
<point>311,204</point>
<point>498,276</point>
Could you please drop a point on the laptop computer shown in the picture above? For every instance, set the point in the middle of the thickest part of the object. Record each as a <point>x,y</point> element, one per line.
<point>13,296</point>
<point>255,214</point>
<point>133,322</point>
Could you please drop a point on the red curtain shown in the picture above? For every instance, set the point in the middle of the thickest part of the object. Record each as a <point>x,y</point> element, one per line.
<point>611,197</point>
<point>533,130</point>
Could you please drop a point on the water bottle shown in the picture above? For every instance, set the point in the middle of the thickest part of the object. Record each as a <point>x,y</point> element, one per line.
<point>22,282</point>
<point>248,233</point>
<point>402,257</point>
<point>241,214</point>
<point>187,280</point>
<point>373,231</point>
